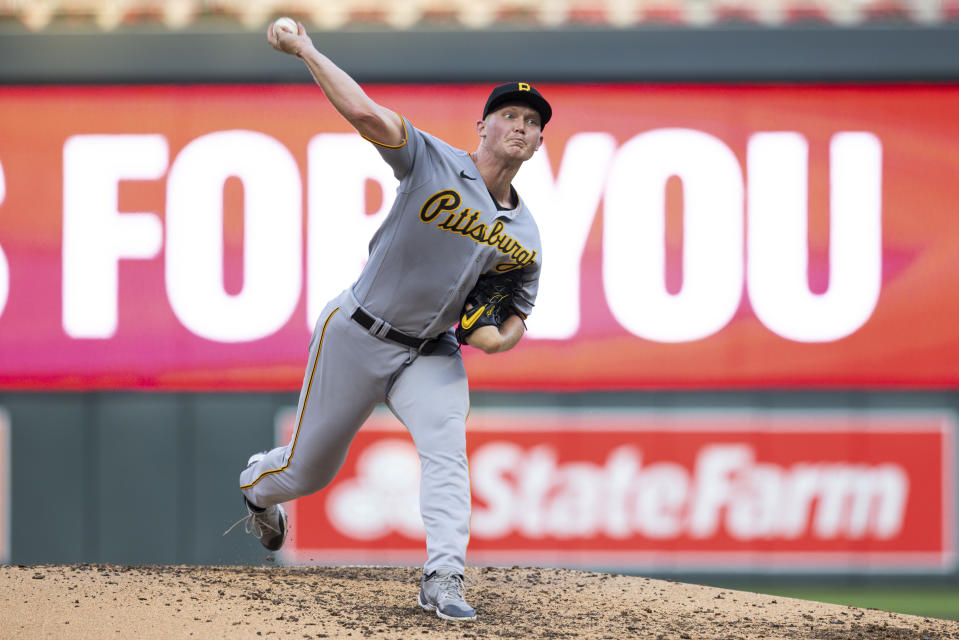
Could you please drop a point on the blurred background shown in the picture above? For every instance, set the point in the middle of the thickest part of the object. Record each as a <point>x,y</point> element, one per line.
<point>742,367</point>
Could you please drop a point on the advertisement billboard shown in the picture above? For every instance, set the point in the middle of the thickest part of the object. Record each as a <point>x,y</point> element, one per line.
<point>673,490</point>
<point>186,237</point>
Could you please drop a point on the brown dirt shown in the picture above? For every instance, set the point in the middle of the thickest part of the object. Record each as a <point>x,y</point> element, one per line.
<point>144,602</point>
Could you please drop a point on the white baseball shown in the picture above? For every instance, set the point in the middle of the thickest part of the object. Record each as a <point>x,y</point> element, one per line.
<point>284,24</point>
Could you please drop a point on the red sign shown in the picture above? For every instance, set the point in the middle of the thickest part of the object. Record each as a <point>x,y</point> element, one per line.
<point>661,490</point>
<point>694,236</point>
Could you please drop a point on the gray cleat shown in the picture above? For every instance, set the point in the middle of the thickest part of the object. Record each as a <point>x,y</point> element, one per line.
<point>442,592</point>
<point>268,525</point>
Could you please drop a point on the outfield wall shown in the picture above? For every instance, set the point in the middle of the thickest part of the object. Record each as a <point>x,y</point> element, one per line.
<point>855,485</point>
<point>728,439</point>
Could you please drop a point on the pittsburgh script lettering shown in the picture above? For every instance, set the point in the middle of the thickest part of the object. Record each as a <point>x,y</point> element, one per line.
<point>463,221</point>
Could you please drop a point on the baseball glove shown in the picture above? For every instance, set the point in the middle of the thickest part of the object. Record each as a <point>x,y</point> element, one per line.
<point>489,303</point>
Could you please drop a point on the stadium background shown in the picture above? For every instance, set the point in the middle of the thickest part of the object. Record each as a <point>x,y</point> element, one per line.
<point>131,475</point>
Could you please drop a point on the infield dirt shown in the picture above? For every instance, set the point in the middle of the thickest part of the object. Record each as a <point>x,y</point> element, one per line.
<point>145,602</point>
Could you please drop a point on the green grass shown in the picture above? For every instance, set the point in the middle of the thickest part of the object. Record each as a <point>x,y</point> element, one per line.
<point>927,601</point>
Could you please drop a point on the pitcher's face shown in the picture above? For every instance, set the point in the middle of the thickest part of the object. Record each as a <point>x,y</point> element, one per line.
<point>512,132</point>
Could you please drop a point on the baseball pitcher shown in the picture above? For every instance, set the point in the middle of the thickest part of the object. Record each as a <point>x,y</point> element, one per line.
<point>459,247</point>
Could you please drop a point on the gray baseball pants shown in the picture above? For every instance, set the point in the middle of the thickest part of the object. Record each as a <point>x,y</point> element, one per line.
<point>350,371</point>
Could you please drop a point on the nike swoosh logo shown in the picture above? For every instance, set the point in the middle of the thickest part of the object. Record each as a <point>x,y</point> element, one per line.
<point>463,175</point>
<point>468,321</point>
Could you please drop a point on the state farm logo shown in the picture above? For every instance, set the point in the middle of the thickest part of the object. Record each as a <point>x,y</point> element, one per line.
<point>728,491</point>
<point>527,491</point>
<point>383,496</point>
<point>671,490</point>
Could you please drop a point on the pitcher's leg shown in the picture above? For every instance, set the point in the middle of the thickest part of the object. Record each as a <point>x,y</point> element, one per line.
<point>341,385</point>
<point>431,397</point>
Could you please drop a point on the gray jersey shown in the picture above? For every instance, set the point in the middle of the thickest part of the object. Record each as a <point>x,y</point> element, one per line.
<point>443,232</point>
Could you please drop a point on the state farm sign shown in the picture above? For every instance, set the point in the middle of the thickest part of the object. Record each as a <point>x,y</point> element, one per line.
<point>663,491</point>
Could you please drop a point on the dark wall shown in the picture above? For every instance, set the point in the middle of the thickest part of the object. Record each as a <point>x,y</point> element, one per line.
<point>744,54</point>
<point>133,477</point>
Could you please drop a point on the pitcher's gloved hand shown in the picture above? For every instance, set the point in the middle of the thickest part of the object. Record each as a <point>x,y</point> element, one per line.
<point>489,303</point>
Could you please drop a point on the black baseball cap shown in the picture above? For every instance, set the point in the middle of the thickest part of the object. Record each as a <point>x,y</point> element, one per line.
<point>519,92</point>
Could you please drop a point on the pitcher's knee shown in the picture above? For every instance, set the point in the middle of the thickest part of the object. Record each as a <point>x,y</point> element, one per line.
<point>313,471</point>
<point>298,479</point>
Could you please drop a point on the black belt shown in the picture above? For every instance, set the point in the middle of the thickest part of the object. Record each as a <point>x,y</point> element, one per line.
<point>366,321</point>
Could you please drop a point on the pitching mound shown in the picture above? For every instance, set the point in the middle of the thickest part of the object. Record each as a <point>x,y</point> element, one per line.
<point>109,601</point>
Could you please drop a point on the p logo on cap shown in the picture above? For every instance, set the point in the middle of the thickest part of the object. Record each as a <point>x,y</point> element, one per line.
<point>523,86</point>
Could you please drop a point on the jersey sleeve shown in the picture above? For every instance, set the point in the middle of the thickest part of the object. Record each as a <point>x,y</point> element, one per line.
<point>402,157</point>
